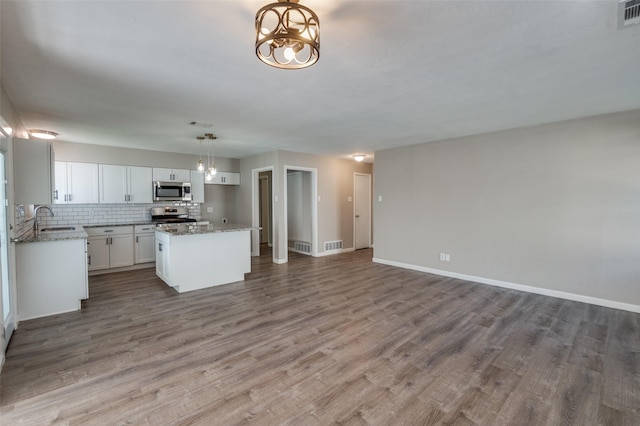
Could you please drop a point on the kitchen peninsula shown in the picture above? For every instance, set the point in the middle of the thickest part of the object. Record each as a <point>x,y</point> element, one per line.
<point>191,257</point>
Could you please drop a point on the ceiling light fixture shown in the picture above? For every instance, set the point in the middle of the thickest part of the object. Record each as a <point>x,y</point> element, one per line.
<point>211,166</point>
<point>358,157</point>
<point>200,165</point>
<point>287,35</point>
<point>42,134</point>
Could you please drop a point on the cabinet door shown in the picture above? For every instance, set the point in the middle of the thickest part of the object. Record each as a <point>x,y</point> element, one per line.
<point>230,178</point>
<point>163,175</point>
<point>162,260</point>
<point>121,250</point>
<point>98,253</point>
<point>145,248</point>
<point>140,184</point>
<point>182,175</point>
<point>82,183</point>
<point>113,183</point>
<point>33,171</point>
<point>197,187</point>
<point>60,193</point>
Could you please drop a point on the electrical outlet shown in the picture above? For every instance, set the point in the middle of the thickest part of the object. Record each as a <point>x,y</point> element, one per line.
<point>442,257</point>
<point>209,209</point>
<point>224,220</point>
<point>447,257</point>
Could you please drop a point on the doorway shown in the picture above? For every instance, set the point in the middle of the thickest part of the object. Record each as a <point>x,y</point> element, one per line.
<point>361,210</point>
<point>7,295</point>
<point>262,209</point>
<point>300,211</point>
<point>265,208</point>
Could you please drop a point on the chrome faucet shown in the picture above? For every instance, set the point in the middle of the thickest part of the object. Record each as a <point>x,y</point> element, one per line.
<point>35,216</point>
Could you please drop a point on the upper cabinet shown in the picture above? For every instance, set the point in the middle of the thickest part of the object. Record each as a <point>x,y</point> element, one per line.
<point>225,178</point>
<point>75,183</point>
<point>171,175</point>
<point>197,187</point>
<point>33,171</point>
<point>125,184</point>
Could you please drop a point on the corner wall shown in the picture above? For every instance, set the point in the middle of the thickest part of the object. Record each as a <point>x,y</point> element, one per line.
<point>554,208</point>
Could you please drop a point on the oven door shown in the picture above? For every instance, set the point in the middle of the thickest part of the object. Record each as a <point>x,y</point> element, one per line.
<point>168,191</point>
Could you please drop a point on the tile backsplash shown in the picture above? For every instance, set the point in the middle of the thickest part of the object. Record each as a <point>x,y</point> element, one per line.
<point>97,214</point>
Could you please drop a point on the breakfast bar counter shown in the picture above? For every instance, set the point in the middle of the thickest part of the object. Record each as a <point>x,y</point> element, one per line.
<point>192,257</point>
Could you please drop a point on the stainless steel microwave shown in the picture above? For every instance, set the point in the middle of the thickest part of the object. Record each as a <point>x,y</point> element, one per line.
<point>171,191</point>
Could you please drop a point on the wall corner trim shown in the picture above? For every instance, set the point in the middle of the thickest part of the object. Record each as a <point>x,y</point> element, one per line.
<point>505,284</point>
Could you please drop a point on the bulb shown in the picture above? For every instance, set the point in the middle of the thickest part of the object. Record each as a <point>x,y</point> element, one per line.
<point>208,177</point>
<point>200,167</point>
<point>213,170</point>
<point>289,54</point>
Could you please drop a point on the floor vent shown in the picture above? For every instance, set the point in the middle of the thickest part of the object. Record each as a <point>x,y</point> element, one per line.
<point>628,13</point>
<point>302,247</point>
<point>333,245</point>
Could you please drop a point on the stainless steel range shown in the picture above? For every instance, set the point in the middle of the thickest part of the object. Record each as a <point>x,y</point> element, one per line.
<point>169,215</point>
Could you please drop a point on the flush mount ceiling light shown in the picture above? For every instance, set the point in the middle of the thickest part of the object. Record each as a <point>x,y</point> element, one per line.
<point>42,134</point>
<point>287,35</point>
<point>358,157</point>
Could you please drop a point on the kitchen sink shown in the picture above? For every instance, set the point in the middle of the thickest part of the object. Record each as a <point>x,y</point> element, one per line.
<point>59,228</point>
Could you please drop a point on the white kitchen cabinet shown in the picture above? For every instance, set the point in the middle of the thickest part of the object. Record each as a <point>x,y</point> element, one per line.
<point>163,257</point>
<point>33,171</point>
<point>75,183</point>
<point>225,178</point>
<point>51,277</point>
<point>171,175</point>
<point>110,247</point>
<point>197,187</point>
<point>125,184</point>
<point>144,244</point>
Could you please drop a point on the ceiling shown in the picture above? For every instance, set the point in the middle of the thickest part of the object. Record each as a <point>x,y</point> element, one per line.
<point>391,73</point>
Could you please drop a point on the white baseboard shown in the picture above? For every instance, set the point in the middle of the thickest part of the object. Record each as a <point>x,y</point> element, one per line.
<point>505,284</point>
<point>331,252</point>
<point>279,261</point>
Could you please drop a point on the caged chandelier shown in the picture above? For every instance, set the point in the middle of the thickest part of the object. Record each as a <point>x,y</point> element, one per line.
<point>287,35</point>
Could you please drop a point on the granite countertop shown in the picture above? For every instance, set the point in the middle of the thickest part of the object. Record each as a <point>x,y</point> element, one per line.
<point>41,236</point>
<point>191,229</point>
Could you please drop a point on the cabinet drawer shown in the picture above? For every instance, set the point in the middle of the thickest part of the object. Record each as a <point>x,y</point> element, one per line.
<point>108,230</point>
<point>145,229</point>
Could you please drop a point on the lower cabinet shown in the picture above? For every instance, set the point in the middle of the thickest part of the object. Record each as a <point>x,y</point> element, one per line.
<point>51,277</point>
<point>109,247</point>
<point>144,244</point>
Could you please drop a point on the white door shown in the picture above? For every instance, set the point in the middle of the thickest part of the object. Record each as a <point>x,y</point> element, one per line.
<point>8,314</point>
<point>362,210</point>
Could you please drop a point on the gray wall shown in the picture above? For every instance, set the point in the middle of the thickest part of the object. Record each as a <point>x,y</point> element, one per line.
<point>553,206</point>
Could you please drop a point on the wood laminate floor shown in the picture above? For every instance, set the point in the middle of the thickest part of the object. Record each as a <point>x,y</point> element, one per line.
<point>319,341</point>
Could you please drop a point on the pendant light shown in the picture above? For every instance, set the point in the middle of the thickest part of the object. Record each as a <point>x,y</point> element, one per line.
<point>211,166</point>
<point>200,165</point>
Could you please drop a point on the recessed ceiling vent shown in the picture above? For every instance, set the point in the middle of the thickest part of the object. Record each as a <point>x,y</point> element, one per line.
<point>628,13</point>
<point>202,125</point>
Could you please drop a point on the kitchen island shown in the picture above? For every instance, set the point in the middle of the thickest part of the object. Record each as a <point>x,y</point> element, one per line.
<point>192,257</point>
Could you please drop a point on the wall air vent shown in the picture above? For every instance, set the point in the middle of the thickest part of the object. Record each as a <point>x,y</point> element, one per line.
<point>333,245</point>
<point>302,247</point>
<point>628,13</point>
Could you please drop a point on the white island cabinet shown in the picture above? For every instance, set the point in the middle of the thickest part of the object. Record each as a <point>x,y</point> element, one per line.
<point>192,257</point>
